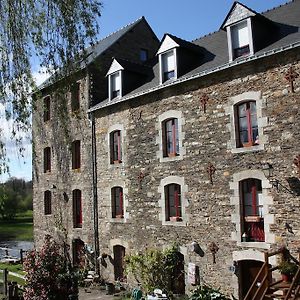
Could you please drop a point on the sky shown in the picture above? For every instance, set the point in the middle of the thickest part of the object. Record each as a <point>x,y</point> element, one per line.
<point>189,19</point>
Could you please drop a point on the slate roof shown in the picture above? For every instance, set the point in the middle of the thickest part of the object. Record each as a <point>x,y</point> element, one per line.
<point>101,46</point>
<point>134,67</point>
<point>216,57</point>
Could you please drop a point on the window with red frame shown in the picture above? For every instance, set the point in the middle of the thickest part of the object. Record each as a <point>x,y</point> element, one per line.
<point>173,201</point>
<point>47,160</point>
<point>76,155</point>
<point>47,203</point>
<point>247,128</point>
<point>75,97</point>
<point>46,109</point>
<point>115,147</point>
<point>252,210</point>
<point>170,138</point>
<point>117,202</point>
<point>77,209</point>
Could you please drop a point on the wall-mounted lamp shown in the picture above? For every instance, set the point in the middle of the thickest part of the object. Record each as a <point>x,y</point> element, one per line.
<point>195,247</point>
<point>268,171</point>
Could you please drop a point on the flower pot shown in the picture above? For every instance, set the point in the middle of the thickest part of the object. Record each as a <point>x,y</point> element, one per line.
<point>286,277</point>
<point>175,219</point>
<point>253,219</point>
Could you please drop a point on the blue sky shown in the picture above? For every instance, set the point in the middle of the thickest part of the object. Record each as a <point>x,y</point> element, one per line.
<point>188,20</point>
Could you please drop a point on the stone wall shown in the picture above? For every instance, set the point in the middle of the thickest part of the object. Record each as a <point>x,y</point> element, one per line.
<point>211,210</point>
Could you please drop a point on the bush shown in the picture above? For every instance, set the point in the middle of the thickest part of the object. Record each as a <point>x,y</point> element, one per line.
<point>49,273</point>
<point>207,293</point>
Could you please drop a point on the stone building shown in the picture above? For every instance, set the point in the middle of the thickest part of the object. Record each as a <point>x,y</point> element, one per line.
<point>194,142</point>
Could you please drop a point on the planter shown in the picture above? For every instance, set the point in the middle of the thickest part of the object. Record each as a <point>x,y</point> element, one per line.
<point>253,219</point>
<point>116,162</point>
<point>175,219</point>
<point>172,154</point>
<point>286,277</point>
<point>119,216</point>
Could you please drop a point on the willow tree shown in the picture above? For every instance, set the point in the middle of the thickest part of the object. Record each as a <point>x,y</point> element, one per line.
<point>53,33</point>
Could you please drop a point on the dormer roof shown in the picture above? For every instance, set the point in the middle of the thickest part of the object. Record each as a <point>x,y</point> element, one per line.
<point>114,67</point>
<point>119,64</point>
<point>167,43</point>
<point>237,13</point>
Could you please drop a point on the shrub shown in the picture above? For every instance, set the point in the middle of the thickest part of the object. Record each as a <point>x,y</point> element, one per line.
<point>207,293</point>
<point>49,273</point>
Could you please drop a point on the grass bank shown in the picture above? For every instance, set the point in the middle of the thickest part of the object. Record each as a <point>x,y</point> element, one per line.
<point>19,229</point>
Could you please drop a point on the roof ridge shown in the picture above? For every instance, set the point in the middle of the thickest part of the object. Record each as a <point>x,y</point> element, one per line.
<point>114,32</point>
<point>270,9</point>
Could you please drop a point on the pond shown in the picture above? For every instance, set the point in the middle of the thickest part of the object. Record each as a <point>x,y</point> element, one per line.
<point>14,247</point>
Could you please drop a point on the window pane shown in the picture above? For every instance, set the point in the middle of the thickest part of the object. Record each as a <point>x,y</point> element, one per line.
<point>240,35</point>
<point>242,108</point>
<point>116,82</point>
<point>168,61</point>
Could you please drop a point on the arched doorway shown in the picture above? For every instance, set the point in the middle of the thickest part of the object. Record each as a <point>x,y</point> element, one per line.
<point>119,254</point>
<point>78,253</point>
<point>248,270</point>
<point>178,284</point>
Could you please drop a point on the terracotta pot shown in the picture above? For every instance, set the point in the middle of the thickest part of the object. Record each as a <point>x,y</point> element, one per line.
<point>286,277</point>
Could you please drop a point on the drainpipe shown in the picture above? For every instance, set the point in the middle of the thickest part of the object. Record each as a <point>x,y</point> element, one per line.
<point>95,196</point>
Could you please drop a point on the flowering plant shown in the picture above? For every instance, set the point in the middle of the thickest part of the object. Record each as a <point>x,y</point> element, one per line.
<point>48,273</point>
<point>207,293</point>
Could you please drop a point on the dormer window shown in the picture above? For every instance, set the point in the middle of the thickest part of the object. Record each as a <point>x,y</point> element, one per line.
<point>143,54</point>
<point>240,39</point>
<point>168,65</point>
<point>115,85</point>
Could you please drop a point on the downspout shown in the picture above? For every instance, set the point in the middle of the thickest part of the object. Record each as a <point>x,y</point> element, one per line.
<point>95,196</point>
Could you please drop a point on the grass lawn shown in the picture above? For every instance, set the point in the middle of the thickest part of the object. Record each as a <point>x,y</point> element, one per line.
<point>18,268</point>
<point>19,229</point>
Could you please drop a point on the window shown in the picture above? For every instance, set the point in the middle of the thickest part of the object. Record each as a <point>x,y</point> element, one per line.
<point>75,97</point>
<point>46,109</point>
<point>247,129</point>
<point>115,147</point>
<point>252,210</point>
<point>173,202</point>
<point>77,209</point>
<point>47,160</point>
<point>47,203</point>
<point>76,155</point>
<point>240,39</point>
<point>168,65</point>
<point>115,85</point>
<point>117,202</point>
<point>143,54</point>
<point>170,137</point>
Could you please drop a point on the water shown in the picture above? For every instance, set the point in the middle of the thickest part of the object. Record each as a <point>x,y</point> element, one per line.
<point>14,247</point>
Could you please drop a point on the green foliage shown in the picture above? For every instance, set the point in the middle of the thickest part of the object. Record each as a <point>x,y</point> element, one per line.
<point>49,273</point>
<point>207,293</point>
<point>288,268</point>
<point>154,268</point>
<point>53,32</point>
<point>15,196</point>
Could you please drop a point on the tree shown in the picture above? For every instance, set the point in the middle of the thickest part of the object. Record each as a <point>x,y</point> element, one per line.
<point>54,32</point>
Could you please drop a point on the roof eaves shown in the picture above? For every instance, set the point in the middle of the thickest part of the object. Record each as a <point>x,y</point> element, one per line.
<point>198,75</point>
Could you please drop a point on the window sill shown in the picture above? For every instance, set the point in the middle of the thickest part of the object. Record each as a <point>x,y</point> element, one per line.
<point>47,172</point>
<point>171,158</point>
<point>117,220</point>
<point>174,223</point>
<point>261,245</point>
<point>248,149</point>
<point>77,227</point>
<point>76,170</point>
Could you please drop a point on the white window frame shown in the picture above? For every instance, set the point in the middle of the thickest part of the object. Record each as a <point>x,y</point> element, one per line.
<point>110,84</point>
<point>161,65</point>
<point>230,38</point>
<point>184,202</point>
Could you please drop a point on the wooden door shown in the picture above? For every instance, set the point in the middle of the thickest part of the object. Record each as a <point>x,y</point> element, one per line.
<point>248,270</point>
<point>119,254</point>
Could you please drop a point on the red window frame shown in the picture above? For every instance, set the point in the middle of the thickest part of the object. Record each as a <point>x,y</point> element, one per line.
<point>47,105</point>
<point>77,208</point>
<point>47,202</point>
<point>76,156</point>
<point>75,97</point>
<point>173,201</point>
<point>115,147</point>
<point>170,137</point>
<point>117,202</point>
<point>252,211</point>
<point>247,135</point>
<point>47,160</point>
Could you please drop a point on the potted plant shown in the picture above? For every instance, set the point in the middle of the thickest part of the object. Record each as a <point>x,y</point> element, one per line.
<point>288,270</point>
<point>175,219</point>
